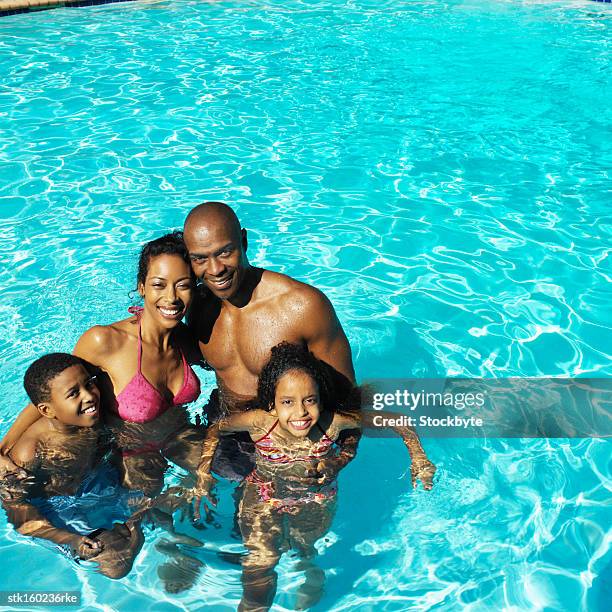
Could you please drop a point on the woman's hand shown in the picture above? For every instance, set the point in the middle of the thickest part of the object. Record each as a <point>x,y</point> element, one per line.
<point>8,467</point>
<point>8,442</point>
<point>13,479</point>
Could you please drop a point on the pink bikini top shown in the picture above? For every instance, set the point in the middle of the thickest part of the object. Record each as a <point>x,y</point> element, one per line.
<point>141,402</point>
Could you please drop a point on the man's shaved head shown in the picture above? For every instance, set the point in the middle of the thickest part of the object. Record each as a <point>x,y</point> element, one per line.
<point>217,248</point>
<point>204,215</point>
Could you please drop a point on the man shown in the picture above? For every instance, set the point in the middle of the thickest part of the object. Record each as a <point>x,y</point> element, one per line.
<point>249,310</point>
<point>245,311</point>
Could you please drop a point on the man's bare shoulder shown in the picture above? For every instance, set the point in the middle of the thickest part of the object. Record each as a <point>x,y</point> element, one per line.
<point>290,291</point>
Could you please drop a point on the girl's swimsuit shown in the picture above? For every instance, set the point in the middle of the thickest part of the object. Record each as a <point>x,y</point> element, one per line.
<point>267,452</point>
<point>141,402</point>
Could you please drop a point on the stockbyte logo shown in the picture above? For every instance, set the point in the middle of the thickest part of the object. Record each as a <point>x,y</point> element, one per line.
<point>490,408</point>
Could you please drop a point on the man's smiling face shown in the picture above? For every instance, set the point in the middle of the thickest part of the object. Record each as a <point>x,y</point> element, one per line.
<point>217,253</point>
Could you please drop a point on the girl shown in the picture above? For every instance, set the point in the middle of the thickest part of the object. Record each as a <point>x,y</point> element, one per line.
<point>295,438</point>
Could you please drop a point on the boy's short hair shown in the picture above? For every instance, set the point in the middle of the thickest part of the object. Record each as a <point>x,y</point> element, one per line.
<point>40,373</point>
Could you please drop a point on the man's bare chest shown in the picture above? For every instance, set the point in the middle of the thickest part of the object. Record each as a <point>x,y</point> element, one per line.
<point>246,340</point>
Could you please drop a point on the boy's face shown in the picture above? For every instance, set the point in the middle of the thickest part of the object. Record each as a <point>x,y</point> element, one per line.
<point>75,399</point>
<point>296,403</point>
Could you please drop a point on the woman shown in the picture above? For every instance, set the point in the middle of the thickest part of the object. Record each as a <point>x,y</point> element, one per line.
<point>144,372</point>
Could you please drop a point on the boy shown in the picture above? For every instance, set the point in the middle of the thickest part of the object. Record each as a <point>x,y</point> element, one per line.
<point>58,452</point>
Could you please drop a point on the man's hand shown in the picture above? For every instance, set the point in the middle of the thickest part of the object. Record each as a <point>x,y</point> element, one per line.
<point>422,469</point>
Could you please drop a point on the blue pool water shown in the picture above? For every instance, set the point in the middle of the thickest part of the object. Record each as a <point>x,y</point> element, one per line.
<point>439,169</point>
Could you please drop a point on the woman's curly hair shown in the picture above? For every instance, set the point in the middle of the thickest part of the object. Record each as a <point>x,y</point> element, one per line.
<point>285,357</point>
<point>168,244</point>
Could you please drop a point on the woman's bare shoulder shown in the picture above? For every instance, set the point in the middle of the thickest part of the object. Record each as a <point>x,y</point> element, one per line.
<point>105,340</point>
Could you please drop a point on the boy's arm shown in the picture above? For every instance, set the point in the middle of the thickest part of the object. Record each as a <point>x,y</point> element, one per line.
<point>28,521</point>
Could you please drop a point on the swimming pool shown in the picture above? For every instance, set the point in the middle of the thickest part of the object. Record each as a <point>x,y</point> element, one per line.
<point>440,170</point>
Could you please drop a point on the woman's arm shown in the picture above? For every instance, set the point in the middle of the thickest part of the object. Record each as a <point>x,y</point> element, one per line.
<point>28,416</point>
<point>95,345</point>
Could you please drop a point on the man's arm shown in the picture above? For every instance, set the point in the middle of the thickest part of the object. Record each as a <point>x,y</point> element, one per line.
<point>323,333</point>
<point>349,429</point>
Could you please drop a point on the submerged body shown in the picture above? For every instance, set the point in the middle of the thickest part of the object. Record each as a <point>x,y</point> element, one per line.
<point>282,508</point>
<point>289,498</point>
<point>59,452</point>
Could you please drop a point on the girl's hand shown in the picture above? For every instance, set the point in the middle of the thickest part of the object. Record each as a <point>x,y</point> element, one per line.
<point>422,469</point>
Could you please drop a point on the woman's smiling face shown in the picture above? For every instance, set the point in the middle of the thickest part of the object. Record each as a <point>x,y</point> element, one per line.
<point>167,289</point>
<point>297,403</point>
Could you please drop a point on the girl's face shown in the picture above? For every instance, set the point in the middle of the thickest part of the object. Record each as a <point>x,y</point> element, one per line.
<point>296,403</point>
<point>167,289</point>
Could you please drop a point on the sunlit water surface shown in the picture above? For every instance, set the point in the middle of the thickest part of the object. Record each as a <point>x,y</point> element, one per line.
<point>439,169</point>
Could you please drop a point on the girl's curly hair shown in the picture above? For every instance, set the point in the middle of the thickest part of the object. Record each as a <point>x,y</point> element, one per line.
<point>285,357</point>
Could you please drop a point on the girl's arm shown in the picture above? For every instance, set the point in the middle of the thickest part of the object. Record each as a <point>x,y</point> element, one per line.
<point>343,421</point>
<point>252,421</point>
<point>421,468</point>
